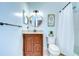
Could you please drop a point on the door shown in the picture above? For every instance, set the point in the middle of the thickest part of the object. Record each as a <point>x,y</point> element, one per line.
<point>33,44</point>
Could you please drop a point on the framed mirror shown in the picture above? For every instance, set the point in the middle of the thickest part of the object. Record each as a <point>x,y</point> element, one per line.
<point>36,21</point>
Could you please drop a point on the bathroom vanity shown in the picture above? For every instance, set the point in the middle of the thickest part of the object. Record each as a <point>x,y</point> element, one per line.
<point>32,44</point>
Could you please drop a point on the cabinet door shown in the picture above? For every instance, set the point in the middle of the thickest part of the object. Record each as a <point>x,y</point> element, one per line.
<point>37,44</point>
<point>33,44</point>
<point>28,46</point>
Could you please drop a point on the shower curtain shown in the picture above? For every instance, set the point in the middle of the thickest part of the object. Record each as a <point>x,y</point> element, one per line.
<point>65,32</point>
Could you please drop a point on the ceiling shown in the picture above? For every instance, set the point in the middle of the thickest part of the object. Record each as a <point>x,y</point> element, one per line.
<point>55,6</point>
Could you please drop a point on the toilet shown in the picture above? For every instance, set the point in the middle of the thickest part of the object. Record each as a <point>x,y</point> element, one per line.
<point>53,50</point>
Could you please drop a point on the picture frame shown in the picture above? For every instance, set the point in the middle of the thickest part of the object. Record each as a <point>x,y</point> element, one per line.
<point>51,20</point>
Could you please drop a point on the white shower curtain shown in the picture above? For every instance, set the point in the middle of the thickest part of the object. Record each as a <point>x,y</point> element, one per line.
<point>65,32</point>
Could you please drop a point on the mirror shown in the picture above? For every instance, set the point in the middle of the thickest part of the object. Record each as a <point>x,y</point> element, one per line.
<point>36,19</point>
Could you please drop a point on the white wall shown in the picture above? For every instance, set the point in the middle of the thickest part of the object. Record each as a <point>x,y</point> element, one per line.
<point>11,37</point>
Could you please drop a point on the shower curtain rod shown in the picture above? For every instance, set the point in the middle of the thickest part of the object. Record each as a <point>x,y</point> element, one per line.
<point>65,6</point>
<point>1,23</point>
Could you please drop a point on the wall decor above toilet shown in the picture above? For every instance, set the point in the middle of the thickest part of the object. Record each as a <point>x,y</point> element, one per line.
<point>51,20</point>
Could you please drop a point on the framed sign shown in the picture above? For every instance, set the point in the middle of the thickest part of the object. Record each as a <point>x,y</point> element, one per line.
<point>51,20</point>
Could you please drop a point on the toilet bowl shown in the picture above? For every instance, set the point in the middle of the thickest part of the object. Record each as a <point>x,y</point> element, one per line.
<point>53,50</point>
